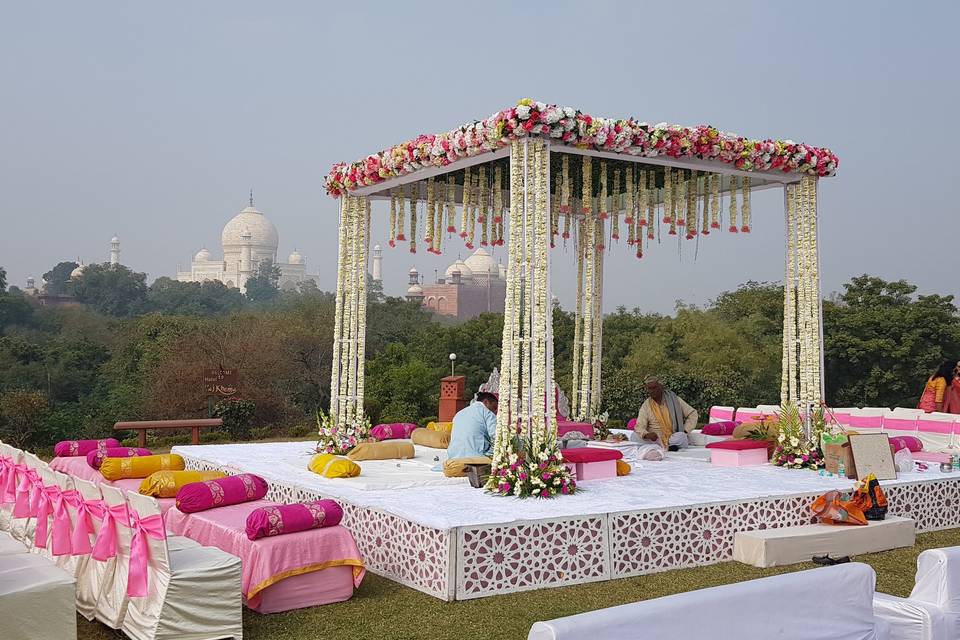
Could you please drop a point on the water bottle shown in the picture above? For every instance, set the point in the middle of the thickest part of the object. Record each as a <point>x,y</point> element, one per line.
<point>841,469</point>
<point>956,462</point>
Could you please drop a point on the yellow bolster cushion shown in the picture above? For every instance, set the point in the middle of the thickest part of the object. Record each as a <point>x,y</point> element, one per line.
<point>457,467</point>
<point>331,466</point>
<point>140,466</point>
<point>387,450</point>
<point>431,438</point>
<point>440,426</point>
<point>622,468</point>
<point>165,484</point>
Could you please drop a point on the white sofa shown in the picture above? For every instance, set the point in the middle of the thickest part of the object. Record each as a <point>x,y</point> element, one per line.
<point>832,602</point>
<point>932,612</point>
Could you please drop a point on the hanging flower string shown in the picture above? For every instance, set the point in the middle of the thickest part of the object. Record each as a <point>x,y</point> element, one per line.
<point>428,228</point>
<point>733,205</point>
<point>745,208</point>
<point>715,201</point>
<point>617,196</point>
<point>451,203</point>
<point>414,188</point>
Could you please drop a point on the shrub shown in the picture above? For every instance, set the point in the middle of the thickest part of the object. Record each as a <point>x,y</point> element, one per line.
<point>21,416</point>
<point>236,415</point>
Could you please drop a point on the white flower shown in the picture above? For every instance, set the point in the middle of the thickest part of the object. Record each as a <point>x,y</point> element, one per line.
<point>569,112</point>
<point>523,111</point>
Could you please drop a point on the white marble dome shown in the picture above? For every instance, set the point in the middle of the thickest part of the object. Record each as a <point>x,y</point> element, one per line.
<point>481,262</point>
<point>77,271</point>
<point>295,258</point>
<point>202,256</point>
<point>250,221</point>
<point>466,273</point>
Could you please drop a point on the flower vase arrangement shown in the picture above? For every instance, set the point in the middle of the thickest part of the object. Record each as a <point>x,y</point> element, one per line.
<point>339,439</point>
<point>600,429</point>
<point>532,474</point>
<point>794,450</point>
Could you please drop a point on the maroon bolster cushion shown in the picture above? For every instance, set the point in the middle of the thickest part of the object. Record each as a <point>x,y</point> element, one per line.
<point>279,519</point>
<point>590,454</point>
<point>222,492</point>
<point>71,448</point>
<point>95,458</point>
<point>724,428</point>
<point>738,445</point>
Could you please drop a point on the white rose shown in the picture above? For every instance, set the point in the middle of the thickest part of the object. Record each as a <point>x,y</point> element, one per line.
<point>523,112</point>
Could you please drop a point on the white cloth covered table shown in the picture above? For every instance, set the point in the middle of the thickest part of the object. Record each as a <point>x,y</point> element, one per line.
<point>832,603</point>
<point>932,612</point>
<point>37,599</point>
<point>790,545</point>
<point>451,502</point>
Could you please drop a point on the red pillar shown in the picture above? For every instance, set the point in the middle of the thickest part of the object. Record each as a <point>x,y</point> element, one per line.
<point>451,397</point>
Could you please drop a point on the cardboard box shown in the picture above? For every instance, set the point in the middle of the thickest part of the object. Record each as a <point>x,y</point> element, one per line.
<point>834,453</point>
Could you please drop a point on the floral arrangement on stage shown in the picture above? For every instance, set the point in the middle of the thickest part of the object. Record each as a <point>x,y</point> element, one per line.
<point>339,439</point>
<point>575,128</point>
<point>794,449</point>
<point>532,474</point>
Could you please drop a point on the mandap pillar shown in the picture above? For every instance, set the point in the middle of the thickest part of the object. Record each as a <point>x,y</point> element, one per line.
<point>350,315</point>
<point>802,379</point>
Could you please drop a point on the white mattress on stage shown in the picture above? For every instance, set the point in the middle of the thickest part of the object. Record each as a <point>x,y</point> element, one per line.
<point>411,490</point>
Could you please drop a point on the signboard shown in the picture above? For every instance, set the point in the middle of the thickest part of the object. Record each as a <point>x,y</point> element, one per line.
<point>872,454</point>
<point>220,382</point>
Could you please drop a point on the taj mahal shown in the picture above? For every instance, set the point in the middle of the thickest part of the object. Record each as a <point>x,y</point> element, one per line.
<point>247,240</point>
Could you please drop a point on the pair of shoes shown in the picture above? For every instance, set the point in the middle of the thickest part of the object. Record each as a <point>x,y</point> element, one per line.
<point>827,561</point>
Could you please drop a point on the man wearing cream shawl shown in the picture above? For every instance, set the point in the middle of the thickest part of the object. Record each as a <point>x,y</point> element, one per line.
<point>662,415</point>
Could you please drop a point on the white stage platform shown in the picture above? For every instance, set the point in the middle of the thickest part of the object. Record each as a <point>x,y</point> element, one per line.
<point>440,536</point>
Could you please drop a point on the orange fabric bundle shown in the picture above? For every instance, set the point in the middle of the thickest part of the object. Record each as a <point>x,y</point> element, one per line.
<point>622,468</point>
<point>831,509</point>
<point>870,498</point>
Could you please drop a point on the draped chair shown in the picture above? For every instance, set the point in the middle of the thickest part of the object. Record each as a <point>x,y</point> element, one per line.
<point>88,515</point>
<point>188,593</point>
<point>113,541</point>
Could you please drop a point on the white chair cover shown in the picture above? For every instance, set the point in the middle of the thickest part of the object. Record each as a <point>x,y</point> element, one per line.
<point>112,603</point>
<point>12,456</point>
<point>36,599</point>
<point>193,592</point>
<point>832,602</point>
<point>23,528</point>
<point>91,574</point>
<point>8,545</point>
<point>932,612</point>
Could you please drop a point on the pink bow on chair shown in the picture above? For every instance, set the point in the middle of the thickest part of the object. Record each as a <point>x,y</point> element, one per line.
<point>6,468</point>
<point>8,490</point>
<point>80,539</point>
<point>43,508</point>
<point>151,526</point>
<point>27,476</point>
<point>105,546</point>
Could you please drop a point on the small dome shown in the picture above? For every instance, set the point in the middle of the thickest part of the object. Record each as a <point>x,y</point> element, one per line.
<point>250,222</point>
<point>78,271</point>
<point>413,271</point>
<point>415,290</point>
<point>114,240</point>
<point>466,273</point>
<point>376,247</point>
<point>481,262</point>
<point>295,258</point>
<point>202,256</point>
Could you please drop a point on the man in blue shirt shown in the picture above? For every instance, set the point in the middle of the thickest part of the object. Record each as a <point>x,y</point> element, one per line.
<point>474,428</point>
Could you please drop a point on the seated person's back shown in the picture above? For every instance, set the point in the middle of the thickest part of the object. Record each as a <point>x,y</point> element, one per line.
<point>474,428</point>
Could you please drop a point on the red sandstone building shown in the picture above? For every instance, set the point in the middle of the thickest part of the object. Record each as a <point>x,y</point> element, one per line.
<point>466,289</point>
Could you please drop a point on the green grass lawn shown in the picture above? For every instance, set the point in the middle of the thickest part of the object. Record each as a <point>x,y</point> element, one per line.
<point>384,609</point>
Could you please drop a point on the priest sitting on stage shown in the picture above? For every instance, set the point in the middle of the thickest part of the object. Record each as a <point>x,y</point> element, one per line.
<point>474,428</point>
<point>663,417</point>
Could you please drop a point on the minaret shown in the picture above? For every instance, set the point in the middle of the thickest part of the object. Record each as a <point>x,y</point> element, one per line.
<point>377,263</point>
<point>114,251</point>
<point>246,268</point>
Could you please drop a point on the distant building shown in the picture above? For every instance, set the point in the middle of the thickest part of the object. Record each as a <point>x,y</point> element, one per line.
<point>247,240</point>
<point>466,289</point>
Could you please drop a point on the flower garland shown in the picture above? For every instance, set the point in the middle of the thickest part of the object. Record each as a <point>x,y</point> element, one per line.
<point>438,213</point>
<point>733,205</point>
<point>575,128</point>
<point>498,195</point>
<point>715,201</point>
<point>674,205</point>
<point>651,204</point>
<point>617,196</point>
<point>745,207</point>
<point>342,267</point>
<point>577,320</point>
<point>603,208</point>
<point>692,205</point>
<point>451,203</point>
<point>565,177</point>
<point>414,194</point>
<point>788,373</point>
<point>668,195</point>
<point>705,223</point>
<point>554,218</point>
<point>484,213</point>
<point>428,230</point>
<point>474,205</point>
<point>393,217</point>
<point>465,209</point>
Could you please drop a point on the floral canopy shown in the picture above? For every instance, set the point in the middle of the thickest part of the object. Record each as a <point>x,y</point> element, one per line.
<point>579,130</point>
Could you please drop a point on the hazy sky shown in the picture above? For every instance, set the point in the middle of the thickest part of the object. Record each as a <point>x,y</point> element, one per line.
<point>152,120</point>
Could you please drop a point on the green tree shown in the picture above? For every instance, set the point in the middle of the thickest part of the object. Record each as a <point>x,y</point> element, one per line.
<point>212,297</point>
<point>113,290</point>
<point>3,279</point>
<point>57,280</point>
<point>264,286</point>
<point>21,415</point>
<point>882,341</point>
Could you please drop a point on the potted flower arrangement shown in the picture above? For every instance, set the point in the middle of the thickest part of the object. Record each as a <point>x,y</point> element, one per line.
<point>532,474</point>
<point>794,450</point>
<point>339,439</point>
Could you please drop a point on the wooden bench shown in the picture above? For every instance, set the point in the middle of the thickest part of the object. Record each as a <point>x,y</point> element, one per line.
<point>143,426</point>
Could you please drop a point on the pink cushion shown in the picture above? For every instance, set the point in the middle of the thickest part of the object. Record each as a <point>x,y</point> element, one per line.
<point>906,442</point>
<point>590,454</point>
<point>277,520</point>
<point>95,458</point>
<point>393,431</point>
<point>724,428</point>
<point>631,423</point>
<point>738,445</point>
<point>67,448</point>
<point>565,426</point>
<point>200,496</point>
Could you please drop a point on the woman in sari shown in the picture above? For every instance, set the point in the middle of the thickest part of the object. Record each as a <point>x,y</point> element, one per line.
<point>934,391</point>
<point>951,397</point>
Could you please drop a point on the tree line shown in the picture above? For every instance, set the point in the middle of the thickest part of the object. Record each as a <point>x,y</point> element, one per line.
<point>132,351</point>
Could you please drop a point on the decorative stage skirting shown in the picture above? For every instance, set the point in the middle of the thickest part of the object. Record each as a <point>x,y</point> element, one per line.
<point>476,561</point>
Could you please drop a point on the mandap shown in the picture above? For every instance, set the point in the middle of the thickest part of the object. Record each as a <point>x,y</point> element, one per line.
<point>536,172</point>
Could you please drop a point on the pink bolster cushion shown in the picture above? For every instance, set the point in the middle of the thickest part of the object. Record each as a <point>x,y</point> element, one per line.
<point>906,442</point>
<point>724,428</point>
<point>738,445</point>
<point>95,458</point>
<point>279,519</point>
<point>222,492</point>
<point>590,454</point>
<point>72,448</point>
<point>393,431</point>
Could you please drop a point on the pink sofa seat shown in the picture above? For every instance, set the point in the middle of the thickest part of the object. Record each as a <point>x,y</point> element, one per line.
<point>270,563</point>
<point>566,426</point>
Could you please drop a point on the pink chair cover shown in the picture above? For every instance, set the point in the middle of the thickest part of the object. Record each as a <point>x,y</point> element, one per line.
<point>52,503</point>
<point>82,447</point>
<point>95,458</point>
<point>721,414</point>
<point>27,478</point>
<point>6,468</point>
<point>105,546</point>
<point>267,561</point>
<point>936,426</point>
<point>83,528</point>
<point>142,528</point>
<point>200,496</point>
<point>866,422</point>
<point>290,518</point>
